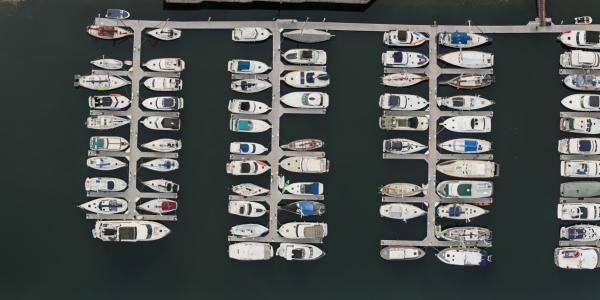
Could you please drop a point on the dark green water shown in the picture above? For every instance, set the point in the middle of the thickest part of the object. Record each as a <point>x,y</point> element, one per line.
<point>47,249</point>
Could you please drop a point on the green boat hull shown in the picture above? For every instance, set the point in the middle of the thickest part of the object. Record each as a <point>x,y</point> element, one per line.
<point>580,189</point>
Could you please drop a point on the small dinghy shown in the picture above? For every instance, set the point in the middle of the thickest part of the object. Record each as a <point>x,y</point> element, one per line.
<point>117,14</point>
<point>248,125</point>
<point>248,189</point>
<point>401,189</point>
<point>161,123</point>
<point>104,184</point>
<point>104,163</point>
<point>585,146</point>
<point>462,40</point>
<point>308,36</point>
<point>582,102</point>
<point>164,103</point>
<point>246,209</point>
<point>306,99</point>
<point>305,56</point>
<point>468,168</point>
<point>580,168</point>
<point>129,231</point>
<point>401,253</point>
<point>402,102</point>
<point>580,39</point>
<point>305,164</point>
<point>583,82</point>
<point>579,59</point>
<point>247,167</point>
<point>164,84</point>
<point>245,66</point>
<point>400,211</point>
<point>247,148</point>
<point>402,79</point>
<point>403,59</point>
<point>161,165</point>
<point>108,32</point>
<point>577,258</point>
<point>304,252</point>
<point>109,102</point>
<point>165,34</point>
<point>460,211</point>
<point>466,145</point>
<point>402,146</point>
<point>307,79</point>
<point>250,34</point>
<point>162,185</point>
<point>104,122</point>
<point>465,189</point>
<point>464,102</point>
<point>106,206</point>
<point>470,81</point>
<point>465,257</point>
<point>468,124</point>
<point>580,233</point>
<point>580,189</point>
<point>583,20</point>
<point>304,145</point>
<point>250,85</point>
<point>404,123</point>
<point>404,38</point>
<point>248,230</point>
<point>305,208</point>
<point>304,188</point>
<point>165,65</point>
<point>101,82</point>
<point>250,251</point>
<point>108,143</point>
<point>159,206</point>
<point>163,145</point>
<point>583,125</point>
<point>250,107</point>
<point>578,211</point>
<point>303,230</point>
<point>469,59</point>
<point>107,63</point>
<point>465,234</point>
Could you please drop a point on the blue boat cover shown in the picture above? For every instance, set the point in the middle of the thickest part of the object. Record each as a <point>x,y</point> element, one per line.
<point>459,38</point>
<point>243,65</point>
<point>397,56</point>
<point>394,100</point>
<point>243,125</point>
<point>314,188</point>
<point>583,212</point>
<point>585,145</point>
<point>310,77</point>
<point>244,148</point>
<point>110,185</point>
<point>305,208</point>
<point>454,211</point>
<point>471,146</point>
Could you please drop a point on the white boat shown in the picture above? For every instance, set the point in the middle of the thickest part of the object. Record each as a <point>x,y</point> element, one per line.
<point>248,125</point>
<point>108,63</point>
<point>585,146</point>
<point>470,81</point>
<point>305,56</point>
<point>109,102</point>
<point>580,168</point>
<point>306,99</point>
<point>583,125</point>
<point>161,164</point>
<point>402,189</point>
<point>579,59</point>
<point>249,107</point>
<point>162,185</point>
<point>247,167</point>
<point>580,233</point>
<point>245,66</point>
<point>161,123</point>
<point>101,82</point>
<point>165,65</point>
<point>580,39</point>
<point>303,230</point>
<point>404,123</point>
<point>117,14</point>
<point>163,145</point>
<point>464,102</point>
<point>307,79</point>
<point>104,163</point>
<point>304,188</point>
<point>248,189</point>
<point>250,85</point>
<point>108,143</point>
<point>462,39</point>
<point>106,206</point>
<point>165,34</point>
<point>465,189</point>
<point>250,34</point>
<point>249,251</point>
<point>401,253</point>
<point>404,38</point>
<point>108,32</point>
<point>404,59</point>
<point>129,231</point>
<point>164,103</point>
<point>460,211</point>
<point>104,122</point>
<point>583,82</point>
<point>159,206</point>
<point>246,208</point>
<point>164,84</point>
<point>248,230</point>
<point>402,102</point>
<point>466,234</point>
<point>305,164</point>
<point>582,102</point>
<point>468,124</point>
<point>465,168</point>
<point>104,184</point>
<point>469,59</point>
<point>465,257</point>
<point>247,148</point>
<point>403,79</point>
<point>583,20</point>
<point>465,145</point>
<point>308,35</point>
<point>402,146</point>
<point>305,252</point>
<point>400,211</point>
<point>577,257</point>
<point>301,145</point>
<point>578,211</point>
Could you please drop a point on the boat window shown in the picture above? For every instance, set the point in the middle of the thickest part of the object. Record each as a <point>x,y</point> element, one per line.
<point>148,231</point>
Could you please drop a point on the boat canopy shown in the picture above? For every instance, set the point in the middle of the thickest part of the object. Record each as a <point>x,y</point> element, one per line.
<point>459,38</point>
<point>245,85</point>
<point>464,189</point>
<point>592,37</point>
<point>243,65</point>
<point>594,101</point>
<point>97,143</point>
<point>576,233</point>
<point>471,146</point>
<point>128,233</point>
<point>397,56</point>
<point>585,145</point>
<point>306,208</point>
<point>245,106</point>
<point>244,125</point>
<point>402,35</point>
<point>248,148</point>
<point>169,102</point>
<point>298,253</point>
<point>245,168</point>
<point>310,77</point>
<point>454,211</point>
<point>394,100</point>
<point>582,212</point>
<point>306,54</point>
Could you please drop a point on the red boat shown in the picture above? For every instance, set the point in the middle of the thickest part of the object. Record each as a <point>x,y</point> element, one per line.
<point>108,32</point>
<point>159,206</point>
<point>304,145</point>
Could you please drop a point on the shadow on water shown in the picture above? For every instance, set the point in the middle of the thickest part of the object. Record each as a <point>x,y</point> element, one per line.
<point>261,5</point>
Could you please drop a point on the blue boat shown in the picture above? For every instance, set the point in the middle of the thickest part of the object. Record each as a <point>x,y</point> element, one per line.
<point>466,145</point>
<point>119,14</point>
<point>305,208</point>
